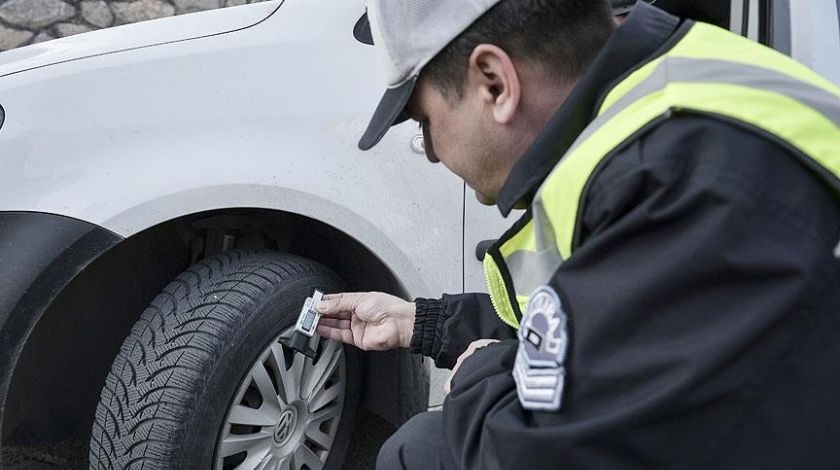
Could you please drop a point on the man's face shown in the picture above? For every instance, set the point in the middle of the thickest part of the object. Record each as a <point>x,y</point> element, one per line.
<point>459,133</point>
<point>482,132</point>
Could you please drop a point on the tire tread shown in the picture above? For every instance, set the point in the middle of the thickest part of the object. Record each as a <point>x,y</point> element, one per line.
<point>150,392</point>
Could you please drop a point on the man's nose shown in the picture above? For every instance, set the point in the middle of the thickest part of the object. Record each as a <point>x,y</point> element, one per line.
<point>428,147</point>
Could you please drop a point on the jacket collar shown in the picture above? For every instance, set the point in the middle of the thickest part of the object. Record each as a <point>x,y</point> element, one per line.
<point>642,37</point>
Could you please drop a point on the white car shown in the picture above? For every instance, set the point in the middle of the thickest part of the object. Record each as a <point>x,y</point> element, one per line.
<point>171,193</point>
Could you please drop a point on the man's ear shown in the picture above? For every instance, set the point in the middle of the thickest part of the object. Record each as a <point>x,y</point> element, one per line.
<point>493,74</point>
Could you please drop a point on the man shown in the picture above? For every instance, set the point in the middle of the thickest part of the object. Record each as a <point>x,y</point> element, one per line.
<point>669,298</point>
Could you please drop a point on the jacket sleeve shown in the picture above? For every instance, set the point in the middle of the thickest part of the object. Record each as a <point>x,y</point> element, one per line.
<point>443,328</point>
<point>696,260</point>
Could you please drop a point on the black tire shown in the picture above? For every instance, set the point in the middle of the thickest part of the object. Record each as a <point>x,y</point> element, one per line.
<point>167,394</point>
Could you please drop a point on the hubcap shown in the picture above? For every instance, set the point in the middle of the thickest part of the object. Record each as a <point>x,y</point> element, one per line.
<point>286,411</point>
<point>283,431</point>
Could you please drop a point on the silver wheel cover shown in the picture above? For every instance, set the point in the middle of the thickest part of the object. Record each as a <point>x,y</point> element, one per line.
<point>286,411</point>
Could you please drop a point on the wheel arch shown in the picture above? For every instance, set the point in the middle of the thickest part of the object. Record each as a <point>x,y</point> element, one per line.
<point>53,400</point>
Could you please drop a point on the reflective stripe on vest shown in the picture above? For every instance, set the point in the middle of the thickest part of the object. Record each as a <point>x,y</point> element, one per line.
<point>709,71</point>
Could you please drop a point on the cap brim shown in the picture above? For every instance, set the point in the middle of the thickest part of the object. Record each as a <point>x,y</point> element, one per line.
<point>362,31</point>
<point>622,7</point>
<point>390,111</point>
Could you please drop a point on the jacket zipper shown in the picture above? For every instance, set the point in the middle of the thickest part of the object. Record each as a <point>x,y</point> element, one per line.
<point>491,290</point>
<point>492,297</point>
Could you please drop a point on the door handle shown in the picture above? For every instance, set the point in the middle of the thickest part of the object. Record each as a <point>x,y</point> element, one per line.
<point>482,247</point>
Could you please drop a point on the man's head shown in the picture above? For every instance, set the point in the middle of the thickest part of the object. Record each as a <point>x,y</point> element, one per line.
<point>486,93</point>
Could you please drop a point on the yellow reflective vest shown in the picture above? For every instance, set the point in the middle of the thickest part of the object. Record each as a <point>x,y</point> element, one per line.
<point>709,71</point>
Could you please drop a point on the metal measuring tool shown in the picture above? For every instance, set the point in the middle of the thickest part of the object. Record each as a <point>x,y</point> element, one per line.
<point>305,327</point>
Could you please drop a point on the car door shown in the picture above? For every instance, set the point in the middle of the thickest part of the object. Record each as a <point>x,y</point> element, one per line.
<point>807,30</point>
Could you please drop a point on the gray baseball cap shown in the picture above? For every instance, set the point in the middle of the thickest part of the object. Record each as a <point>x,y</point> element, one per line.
<point>410,33</point>
<point>407,35</point>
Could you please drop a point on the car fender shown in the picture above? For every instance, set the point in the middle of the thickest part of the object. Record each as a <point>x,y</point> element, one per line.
<point>344,218</point>
<point>243,119</point>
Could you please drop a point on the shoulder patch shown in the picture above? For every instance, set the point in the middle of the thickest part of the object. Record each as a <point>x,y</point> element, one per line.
<point>539,369</point>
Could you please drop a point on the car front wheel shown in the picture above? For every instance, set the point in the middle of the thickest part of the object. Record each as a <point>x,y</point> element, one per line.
<point>204,381</point>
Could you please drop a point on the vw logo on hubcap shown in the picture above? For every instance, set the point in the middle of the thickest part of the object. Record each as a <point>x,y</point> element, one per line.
<point>285,428</point>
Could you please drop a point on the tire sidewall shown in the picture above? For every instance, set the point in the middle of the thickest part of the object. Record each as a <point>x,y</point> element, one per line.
<point>278,311</point>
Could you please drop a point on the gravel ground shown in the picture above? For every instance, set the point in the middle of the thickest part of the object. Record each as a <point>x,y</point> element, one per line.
<point>371,431</point>
<point>69,455</point>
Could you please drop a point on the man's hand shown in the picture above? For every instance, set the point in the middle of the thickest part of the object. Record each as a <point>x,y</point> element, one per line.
<point>372,321</point>
<point>480,343</point>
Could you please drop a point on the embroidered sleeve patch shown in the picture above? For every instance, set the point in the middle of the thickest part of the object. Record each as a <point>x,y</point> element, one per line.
<point>539,369</point>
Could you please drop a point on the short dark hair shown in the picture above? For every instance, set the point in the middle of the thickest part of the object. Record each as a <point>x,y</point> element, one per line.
<point>562,36</point>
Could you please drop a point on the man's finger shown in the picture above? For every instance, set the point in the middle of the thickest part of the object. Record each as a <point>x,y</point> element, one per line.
<point>345,336</point>
<point>447,387</point>
<point>339,314</point>
<point>333,322</point>
<point>333,304</point>
<point>479,343</point>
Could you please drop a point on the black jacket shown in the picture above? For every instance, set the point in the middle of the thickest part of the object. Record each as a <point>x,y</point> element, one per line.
<point>703,303</point>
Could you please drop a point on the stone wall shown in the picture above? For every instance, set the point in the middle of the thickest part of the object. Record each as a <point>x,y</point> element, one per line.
<point>24,22</point>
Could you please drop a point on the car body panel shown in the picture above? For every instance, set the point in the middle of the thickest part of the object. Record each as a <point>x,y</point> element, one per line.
<point>481,223</point>
<point>133,36</point>
<point>130,140</point>
<point>815,40</point>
